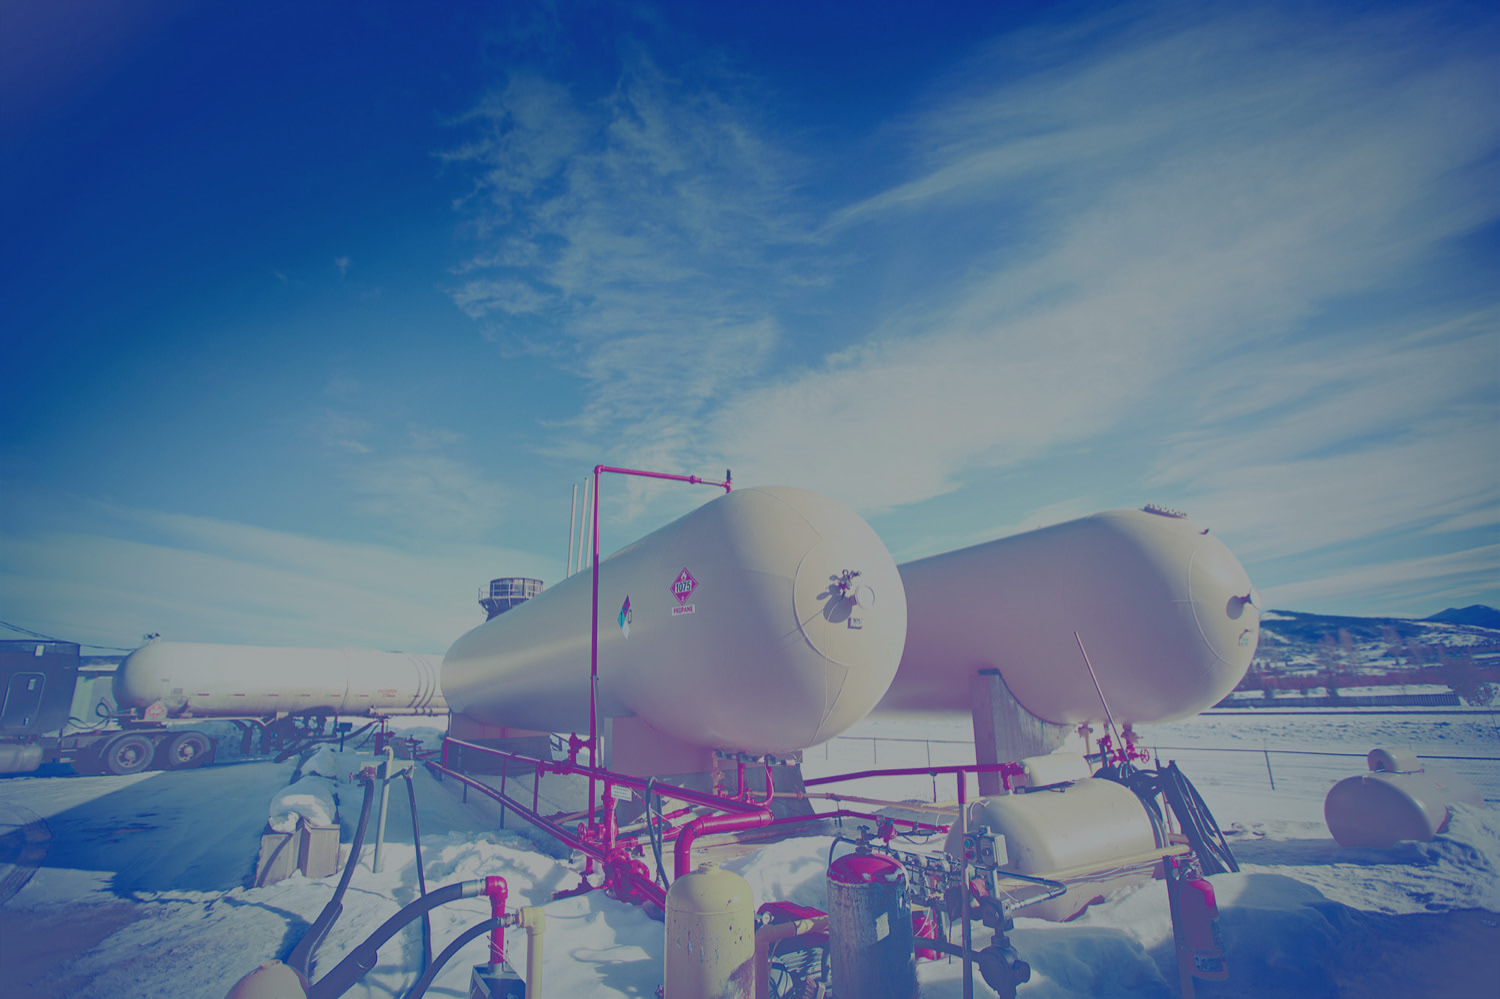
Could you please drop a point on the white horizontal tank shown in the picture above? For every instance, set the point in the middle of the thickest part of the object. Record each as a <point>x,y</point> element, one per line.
<point>1400,798</point>
<point>738,635</point>
<point>203,680</point>
<point>1165,611</point>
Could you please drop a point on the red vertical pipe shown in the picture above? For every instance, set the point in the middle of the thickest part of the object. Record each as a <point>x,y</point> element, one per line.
<point>594,624</point>
<point>594,652</point>
<point>497,890</point>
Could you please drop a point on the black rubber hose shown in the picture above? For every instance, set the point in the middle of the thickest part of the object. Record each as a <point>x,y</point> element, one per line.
<point>302,955</point>
<point>1197,822</point>
<point>416,839</point>
<point>653,829</point>
<point>365,956</point>
<point>420,989</point>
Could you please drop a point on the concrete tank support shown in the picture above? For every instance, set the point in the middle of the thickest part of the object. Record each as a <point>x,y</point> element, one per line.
<point>1005,732</point>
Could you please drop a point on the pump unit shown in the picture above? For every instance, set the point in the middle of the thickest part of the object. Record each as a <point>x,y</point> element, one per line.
<point>1095,834</point>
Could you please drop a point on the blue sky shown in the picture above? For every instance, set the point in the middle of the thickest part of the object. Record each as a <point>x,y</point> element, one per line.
<point>313,313</point>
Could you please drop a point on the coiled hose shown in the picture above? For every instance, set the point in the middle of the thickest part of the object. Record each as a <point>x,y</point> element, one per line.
<point>1197,822</point>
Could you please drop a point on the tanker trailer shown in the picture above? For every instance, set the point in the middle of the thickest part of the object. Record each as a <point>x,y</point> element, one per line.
<point>765,621</point>
<point>1163,611</point>
<point>198,680</point>
<point>283,692</point>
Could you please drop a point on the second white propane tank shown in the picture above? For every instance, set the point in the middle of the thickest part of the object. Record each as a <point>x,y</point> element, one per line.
<point>1400,798</point>
<point>1165,611</point>
<point>194,679</point>
<point>1087,826</point>
<point>765,621</point>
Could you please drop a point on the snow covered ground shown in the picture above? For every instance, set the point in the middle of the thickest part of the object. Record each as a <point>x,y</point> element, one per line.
<point>142,890</point>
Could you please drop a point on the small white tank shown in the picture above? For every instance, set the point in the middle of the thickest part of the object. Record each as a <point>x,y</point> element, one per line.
<point>1089,825</point>
<point>710,936</point>
<point>1400,798</point>
<point>1164,609</point>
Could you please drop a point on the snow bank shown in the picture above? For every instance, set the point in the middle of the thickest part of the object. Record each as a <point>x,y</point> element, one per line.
<point>311,798</point>
<point>1304,920</point>
<point>323,763</point>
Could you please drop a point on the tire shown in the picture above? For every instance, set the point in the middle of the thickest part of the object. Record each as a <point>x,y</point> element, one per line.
<point>127,754</point>
<point>186,750</point>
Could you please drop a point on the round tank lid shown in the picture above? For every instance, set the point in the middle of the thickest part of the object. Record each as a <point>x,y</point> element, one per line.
<point>709,890</point>
<point>864,869</point>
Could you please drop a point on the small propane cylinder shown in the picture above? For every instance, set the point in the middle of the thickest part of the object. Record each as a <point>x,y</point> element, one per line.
<point>710,936</point>
<point>1400,798</point>
<point>870,928</point>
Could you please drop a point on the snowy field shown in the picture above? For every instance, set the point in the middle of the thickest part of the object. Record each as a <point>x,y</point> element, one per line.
<point>142,890</point>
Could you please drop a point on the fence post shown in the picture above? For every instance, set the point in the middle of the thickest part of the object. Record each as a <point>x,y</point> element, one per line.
<point>1269,775</point>
<point>934,774</point>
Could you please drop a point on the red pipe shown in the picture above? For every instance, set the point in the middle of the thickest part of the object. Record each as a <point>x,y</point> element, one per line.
<point>682,850</point>
<point>594,651</point>
<point>1005,770</point>
<point>686,836</point>
<point>594,623</point>
<point>497,890</point>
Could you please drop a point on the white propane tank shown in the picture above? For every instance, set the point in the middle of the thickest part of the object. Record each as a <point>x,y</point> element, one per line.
<point>1090,825</point>
<point>710,947</point>
<point>870,933</point>
<point>194,679</point>
<point>272,980</point>
<point>740,626</point>
<point>1400,798</point>
<point>1165,611</point>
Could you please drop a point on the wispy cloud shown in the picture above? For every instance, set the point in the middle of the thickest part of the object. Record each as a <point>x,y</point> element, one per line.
<point>1347,442</point>
<point>409,482</point>
<point>340,431</point>
<point>1223,237</point>
<point>641,241</point>
<point>205,579</point>
<point>1395,587</point>
<point>1194,195</point>
<point>424,494</point>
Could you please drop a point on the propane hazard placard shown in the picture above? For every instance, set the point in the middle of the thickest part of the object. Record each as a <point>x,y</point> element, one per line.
<point>682,587</point>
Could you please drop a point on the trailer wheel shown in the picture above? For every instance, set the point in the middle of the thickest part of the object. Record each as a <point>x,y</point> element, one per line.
<point>127,754</point>
<point>186,750</point>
